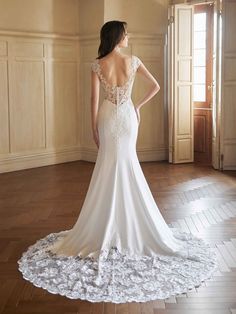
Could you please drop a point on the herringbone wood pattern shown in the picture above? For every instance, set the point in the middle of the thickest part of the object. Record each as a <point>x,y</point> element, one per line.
<point>39,201</point>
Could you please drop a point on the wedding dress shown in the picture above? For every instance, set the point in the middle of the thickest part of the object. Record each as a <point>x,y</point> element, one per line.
<point>120,249</point>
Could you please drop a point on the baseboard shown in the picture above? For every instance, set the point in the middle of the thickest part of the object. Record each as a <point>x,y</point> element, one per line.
<point>152,154</point>
<point>41,159</point>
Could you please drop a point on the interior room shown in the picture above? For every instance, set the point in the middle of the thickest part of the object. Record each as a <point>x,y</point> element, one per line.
<point>186,140</point>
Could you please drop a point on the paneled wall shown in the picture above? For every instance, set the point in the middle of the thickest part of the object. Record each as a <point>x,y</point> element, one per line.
<point>152,141</point>
<point>39,114</point>
<point>46,49</point>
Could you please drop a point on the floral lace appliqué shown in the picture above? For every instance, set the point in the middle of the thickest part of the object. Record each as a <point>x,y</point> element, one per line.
<point>117,276</point>
<point>117,94</point>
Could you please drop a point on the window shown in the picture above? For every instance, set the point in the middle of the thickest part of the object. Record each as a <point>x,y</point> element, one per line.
<point>199,60</point>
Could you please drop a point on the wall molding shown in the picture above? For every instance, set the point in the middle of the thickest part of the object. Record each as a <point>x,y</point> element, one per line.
<point>14,33</point>
<point>149,46</point>
<point>76,37</point>
<point>144,154</point>
<point>53,139</point>
<point>132,35</point>
<point>18,162</point>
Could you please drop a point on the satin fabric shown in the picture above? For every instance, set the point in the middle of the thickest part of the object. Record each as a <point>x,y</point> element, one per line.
<point>119,208</point>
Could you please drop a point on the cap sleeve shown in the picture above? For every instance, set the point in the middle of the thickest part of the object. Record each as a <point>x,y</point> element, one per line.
<point>94,66</point>
<point>137,62</point>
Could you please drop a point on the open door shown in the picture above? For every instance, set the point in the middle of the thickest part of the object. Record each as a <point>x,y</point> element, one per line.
<point>180,82</point>
<point>203,82</point>
<point>228,95</point>
<point>216,84</point>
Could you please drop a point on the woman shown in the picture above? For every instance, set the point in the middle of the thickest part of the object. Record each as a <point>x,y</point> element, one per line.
<point>120,249</point>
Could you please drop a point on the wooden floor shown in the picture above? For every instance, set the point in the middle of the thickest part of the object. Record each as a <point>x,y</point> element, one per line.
<point>39,201</point>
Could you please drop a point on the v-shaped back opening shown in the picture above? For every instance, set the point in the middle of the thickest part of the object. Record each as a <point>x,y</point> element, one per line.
<point>116,86</point>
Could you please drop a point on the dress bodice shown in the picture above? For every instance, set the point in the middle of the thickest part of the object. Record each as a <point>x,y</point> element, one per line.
<point>117,94</point>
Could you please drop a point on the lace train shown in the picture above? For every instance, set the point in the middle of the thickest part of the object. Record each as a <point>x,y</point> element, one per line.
<point>117,276</point>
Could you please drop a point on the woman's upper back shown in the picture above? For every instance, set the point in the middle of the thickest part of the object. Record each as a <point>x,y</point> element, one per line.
<point>116,71</point>
<point>116,77</point>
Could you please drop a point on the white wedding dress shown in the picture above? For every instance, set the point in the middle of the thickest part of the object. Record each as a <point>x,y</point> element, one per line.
<point>120,249</point>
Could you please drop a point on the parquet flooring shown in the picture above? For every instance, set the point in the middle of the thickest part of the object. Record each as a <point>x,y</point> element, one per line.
<point>36,202</point>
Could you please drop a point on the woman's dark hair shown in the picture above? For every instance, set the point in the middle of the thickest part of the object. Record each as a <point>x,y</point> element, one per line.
<point>110,35</point>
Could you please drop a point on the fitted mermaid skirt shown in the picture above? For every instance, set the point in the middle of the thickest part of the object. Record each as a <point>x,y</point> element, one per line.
<point>120,249</point>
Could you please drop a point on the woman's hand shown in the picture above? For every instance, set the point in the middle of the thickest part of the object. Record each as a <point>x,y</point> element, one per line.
<point>137,110</point>
<point>96,137</point>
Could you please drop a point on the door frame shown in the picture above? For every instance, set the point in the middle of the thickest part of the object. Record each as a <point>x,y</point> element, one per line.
<point>216,151</point>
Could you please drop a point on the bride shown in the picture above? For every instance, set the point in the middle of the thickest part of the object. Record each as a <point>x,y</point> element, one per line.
<point>120,249</point>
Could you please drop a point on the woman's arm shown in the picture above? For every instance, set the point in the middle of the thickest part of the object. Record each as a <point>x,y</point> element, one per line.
<point>95,87</point>
<point>154,88</point>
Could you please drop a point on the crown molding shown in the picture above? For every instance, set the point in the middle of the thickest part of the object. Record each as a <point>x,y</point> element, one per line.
<point>24,34</point>
<point>136,35</point>
<point>77,37</point>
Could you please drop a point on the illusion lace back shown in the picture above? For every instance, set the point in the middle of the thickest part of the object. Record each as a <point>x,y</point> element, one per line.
<point>120,249</point>
<point>117,94</point>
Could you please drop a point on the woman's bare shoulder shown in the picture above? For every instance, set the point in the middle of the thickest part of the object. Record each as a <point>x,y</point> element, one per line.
<point>111,58</point>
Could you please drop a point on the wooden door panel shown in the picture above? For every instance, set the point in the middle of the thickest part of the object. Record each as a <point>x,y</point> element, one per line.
<point>228,99</point>
<point>181,84</point>
<point>216,84</point>
<point>202,136</point>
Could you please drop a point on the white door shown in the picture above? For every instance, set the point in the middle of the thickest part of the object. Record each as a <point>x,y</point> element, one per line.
<point>180,82</point>
<point>228,95</point>
<point>216,84</point>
